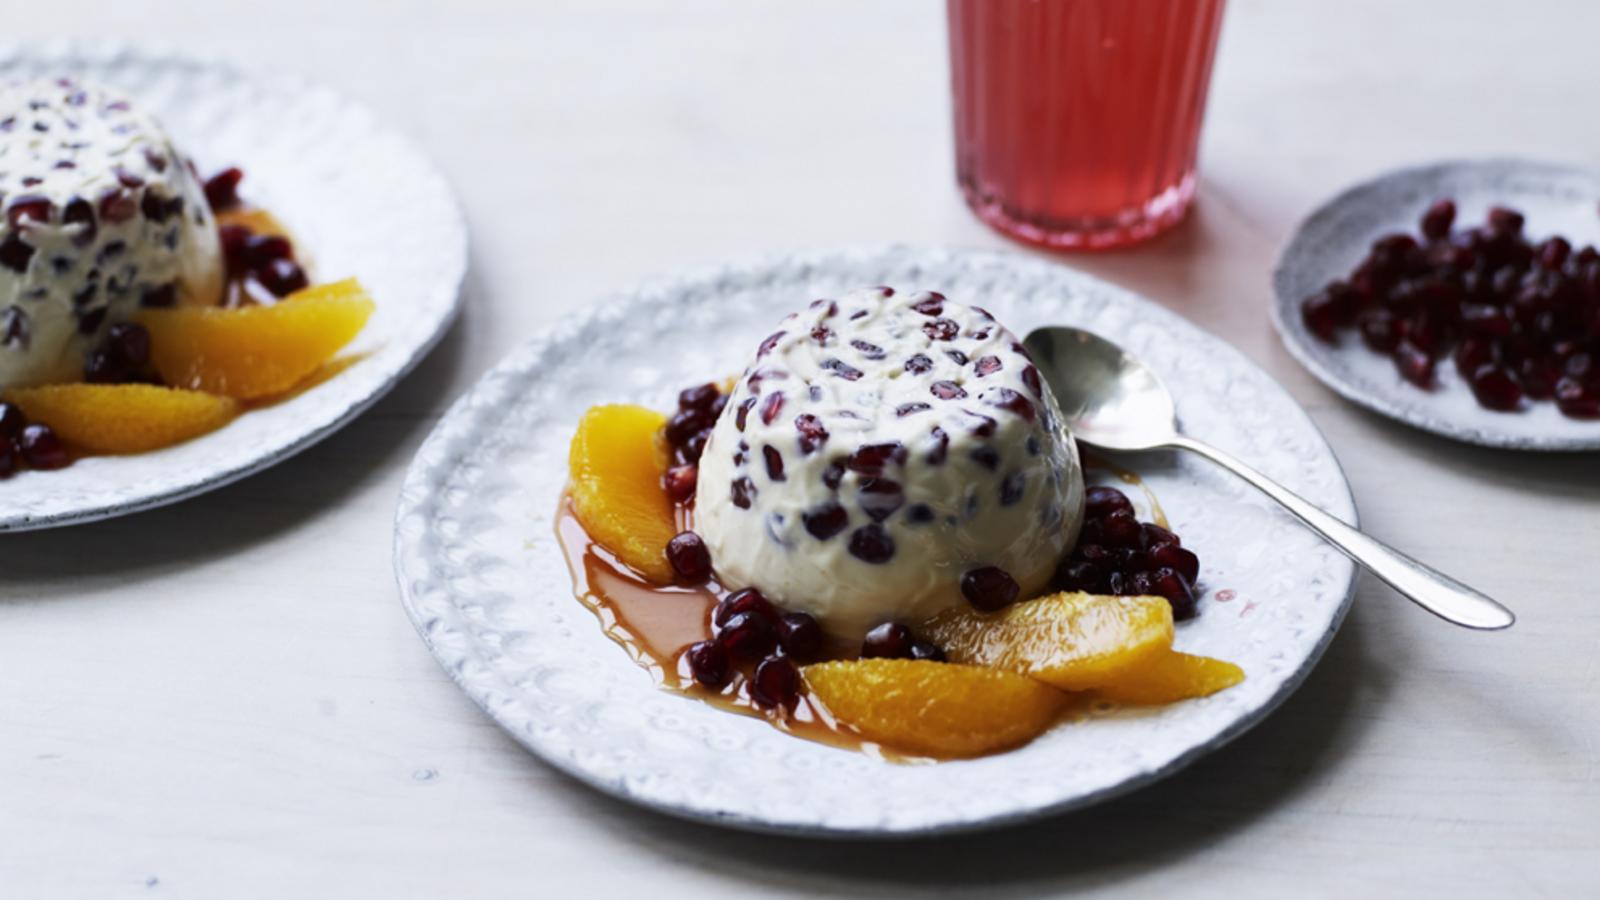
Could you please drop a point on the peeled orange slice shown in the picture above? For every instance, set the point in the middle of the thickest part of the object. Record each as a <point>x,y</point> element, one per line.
<point>932,708</point>
<point>255,351</point>
<point>616,463</point>
<point>1170,677</point>
<point>1072,641</point>
<point>124,418</point>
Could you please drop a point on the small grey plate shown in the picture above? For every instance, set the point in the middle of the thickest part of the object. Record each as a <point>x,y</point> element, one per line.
<point>1556,198</point>
<point>486,585</point>
<point>363,200</point>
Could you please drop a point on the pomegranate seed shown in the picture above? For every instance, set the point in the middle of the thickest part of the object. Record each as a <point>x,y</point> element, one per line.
<point>1117,584</point>
<point>1473,354</point>
<point>1538,378</point>
<point>130,342</point>
<point>1437,220</point>
<point>918,364</point>
<point>745,601</point>
<point>11,421</point>
<point>989,588</point>
<point>1414,365</point>
<point>891,640</point>
<point>743,492</point>
<point>15,254</point>
<point>1553,253</point>
<point>771,407</point>
<point>685,424</point>
<point>1573,399</point>
<point>1102,501</point>
<point>41,448</point>
<point>1169,584</point>
<point>222,189</point>
<point>880,497</point>
<point>957,357</point>
<point>1007,399</point>
<point>1152,535</point>
<point>871,544</point>
<point>770,342</point>
<point>870,459</point>
<point>987,365</point>
<point>1496,389</point>
<point>748,636</point>
<point>800,636</point>
<point>932,306</point>
<point>825,521</point>
<point>689,557</point>
<point>10,462</point>
<point>832,476</point>
<point>29,208</point>
<point>910,409</point>
<point>776,683</point>
<point>1081,576</point>
<point>104,367</point>
<point>870,351</point>
<point>947,390</point>
<point>1030,378</point>
<point>1379,330</point>
<point>1172,556</point>
<point>1120,529</point>
<point>700,397</point>
<point>282,277</point>
<point>680,482</point>
<point>941,329</point>
<point>928,650</point>
<point>1484,319</point>
<point>709,664</point>
<point>842,369</point>
<point>1506,221</point>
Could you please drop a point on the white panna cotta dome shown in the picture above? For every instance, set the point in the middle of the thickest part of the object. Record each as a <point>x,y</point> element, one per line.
<point>99,215</point>
<point>879,449</point>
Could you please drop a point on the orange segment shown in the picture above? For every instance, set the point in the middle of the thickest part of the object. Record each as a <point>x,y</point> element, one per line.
<point>255,351</point>
<point>1173,676</point>
<point>935,709</point>
<point>616,463</point>
<point>1072,641</point>
<point>124,418</point>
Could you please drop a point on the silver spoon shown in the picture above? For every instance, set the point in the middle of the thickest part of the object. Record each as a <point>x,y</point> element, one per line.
<point>1113,402</point>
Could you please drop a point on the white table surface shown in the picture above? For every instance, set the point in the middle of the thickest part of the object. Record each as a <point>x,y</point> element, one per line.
<point>224,698</point>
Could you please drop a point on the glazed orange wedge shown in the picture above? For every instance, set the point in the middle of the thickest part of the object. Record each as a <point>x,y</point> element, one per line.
<point>1170,677</point>
<point>1072,641</point>
<point>255,351</point>
<point>124,418</point>
<point>936,709</point>
<point>616,463</point>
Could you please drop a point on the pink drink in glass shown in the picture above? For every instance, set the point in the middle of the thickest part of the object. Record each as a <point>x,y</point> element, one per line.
<point>1077,121</point>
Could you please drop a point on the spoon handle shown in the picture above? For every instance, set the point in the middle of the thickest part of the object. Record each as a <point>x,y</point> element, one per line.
<point>1430,589</point>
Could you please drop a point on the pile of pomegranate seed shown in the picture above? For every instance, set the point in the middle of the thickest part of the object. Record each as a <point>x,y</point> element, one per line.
<point>266,260</point>
<point>1118,554</point>
<point>1522,320</point>
<point>23,443</point>
<point>751,631</point>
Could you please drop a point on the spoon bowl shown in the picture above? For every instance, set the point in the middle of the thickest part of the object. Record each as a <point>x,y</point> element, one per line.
<point>1115,402</point>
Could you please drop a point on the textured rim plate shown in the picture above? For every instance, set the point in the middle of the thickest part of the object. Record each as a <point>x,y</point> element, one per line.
<point>485,583</point>
<point>1558,199</point>
<point>388,219</point>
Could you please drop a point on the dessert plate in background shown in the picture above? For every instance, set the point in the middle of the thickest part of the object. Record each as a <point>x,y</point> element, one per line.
<point>1557,199</point>
<point>487,586</point>
<point>361,200</point>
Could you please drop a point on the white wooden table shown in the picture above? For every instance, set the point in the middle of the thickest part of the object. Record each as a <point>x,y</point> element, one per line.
<point>224,699</point>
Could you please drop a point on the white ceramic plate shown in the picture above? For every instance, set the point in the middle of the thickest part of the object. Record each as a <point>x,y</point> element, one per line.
<point>484,581</point>
<point>1557,199</point>
<point>362,200</point>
